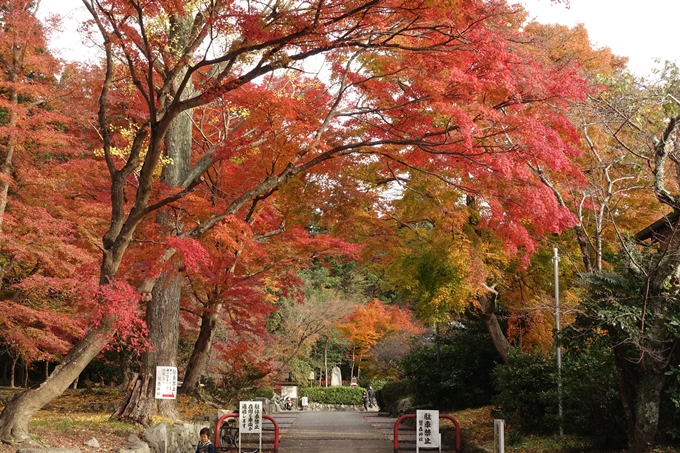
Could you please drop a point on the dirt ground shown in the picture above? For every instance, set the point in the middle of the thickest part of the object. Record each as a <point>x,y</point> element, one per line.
<point>81,415</point>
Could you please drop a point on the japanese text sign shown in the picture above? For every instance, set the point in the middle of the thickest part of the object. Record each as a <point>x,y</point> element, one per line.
<point>427,426</point>
<point>166,382</point>
<point>250,417</point>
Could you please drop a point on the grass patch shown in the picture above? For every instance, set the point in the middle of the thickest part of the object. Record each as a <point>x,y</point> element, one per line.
<point>479,425</point>
<point>536,444</point>
<point>79,422</point>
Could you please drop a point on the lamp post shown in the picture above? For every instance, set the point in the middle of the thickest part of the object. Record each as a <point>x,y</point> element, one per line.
<point>556,260</point>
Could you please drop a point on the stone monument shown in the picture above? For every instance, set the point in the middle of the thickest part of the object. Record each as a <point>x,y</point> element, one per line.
<point>336,377</point>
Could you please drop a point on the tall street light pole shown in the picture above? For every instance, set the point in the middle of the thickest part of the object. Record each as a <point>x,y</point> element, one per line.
<point>556,260</point>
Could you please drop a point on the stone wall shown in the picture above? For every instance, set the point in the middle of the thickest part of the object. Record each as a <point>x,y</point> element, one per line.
<point>174,438</point>
<point>332,407</point>
<point>164,438</point>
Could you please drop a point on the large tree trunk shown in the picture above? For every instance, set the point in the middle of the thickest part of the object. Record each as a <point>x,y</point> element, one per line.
<point>627,380</point>
<point>647,412</point>
<point>162,311</point>
<point>659,295</point>
<point>199,356</point>
<point>19,411</point>
<point>653,366</point>
<point>487,303</point>
<point>162,319</point>
<point>139,400</point>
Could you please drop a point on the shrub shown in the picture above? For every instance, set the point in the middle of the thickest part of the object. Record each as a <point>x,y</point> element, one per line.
<point>670,408</point>
<point>393,391</point>
<point>333,395</point>
<point>528,395</point>
<point>590,397</point>
<point>458,376</point>
<point>261,393</point>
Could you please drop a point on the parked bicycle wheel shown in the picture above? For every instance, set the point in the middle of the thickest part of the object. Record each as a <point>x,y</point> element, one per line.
<point>229,435</point>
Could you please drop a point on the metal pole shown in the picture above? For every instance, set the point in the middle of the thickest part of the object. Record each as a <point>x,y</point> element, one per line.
<point>556,260</point>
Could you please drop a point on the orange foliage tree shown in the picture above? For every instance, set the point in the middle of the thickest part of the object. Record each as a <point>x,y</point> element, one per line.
<point>449,257</point>
<point>372,323</point>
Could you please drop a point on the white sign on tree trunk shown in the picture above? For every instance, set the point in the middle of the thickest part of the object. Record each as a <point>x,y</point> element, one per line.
<point>166,382</point>
<point>427,429</point>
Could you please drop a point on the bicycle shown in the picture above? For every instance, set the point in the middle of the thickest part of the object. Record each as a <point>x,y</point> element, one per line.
<point>229,434</point>
<point>229,437</point>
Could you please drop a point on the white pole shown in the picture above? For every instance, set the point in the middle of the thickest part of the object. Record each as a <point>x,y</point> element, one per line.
<point>556,260</point>
<point>498,436</point>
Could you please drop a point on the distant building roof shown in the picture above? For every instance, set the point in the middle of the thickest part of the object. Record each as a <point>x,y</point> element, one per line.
<point>659,230</point>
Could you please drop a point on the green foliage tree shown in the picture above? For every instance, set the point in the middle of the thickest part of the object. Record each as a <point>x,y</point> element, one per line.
<point>393,391</point>
<point>670,404</point>
<point>616,304</point>
<point>633,295</point>
<point>455,375</point>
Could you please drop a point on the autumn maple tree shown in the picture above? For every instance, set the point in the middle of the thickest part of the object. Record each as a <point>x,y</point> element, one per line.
<point>244,282</point>
<point>622,197</point>
<point>372,323</point>
<point>441,89</point>
<point>41,245</point>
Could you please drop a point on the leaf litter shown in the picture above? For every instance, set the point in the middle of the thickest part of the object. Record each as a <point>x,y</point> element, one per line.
<point>80,415</point>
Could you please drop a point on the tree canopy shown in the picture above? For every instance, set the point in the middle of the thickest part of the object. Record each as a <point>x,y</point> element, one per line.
<point>219,148</point>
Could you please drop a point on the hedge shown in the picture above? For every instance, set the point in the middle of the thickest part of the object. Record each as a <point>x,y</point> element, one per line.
<point>333,395</point>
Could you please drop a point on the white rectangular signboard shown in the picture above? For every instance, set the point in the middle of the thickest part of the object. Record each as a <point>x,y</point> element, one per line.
<point>166,382</point>
<point>250,417</point>
<point>427,429</point>
<point>499,436</point>
<point>290,391</point>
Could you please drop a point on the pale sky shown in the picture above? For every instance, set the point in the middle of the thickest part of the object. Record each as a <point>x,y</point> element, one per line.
<point>640,30</point>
